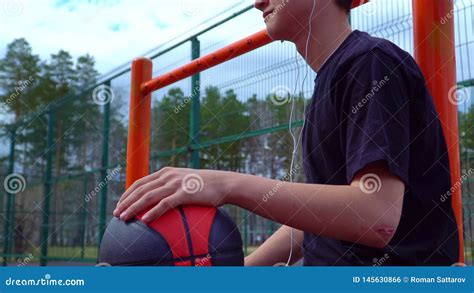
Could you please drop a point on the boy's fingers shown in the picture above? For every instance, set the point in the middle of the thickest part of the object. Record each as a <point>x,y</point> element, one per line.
<point>162,207</point>
<point>136,195</point>
<point>149,199</point>
<point>140,182</point>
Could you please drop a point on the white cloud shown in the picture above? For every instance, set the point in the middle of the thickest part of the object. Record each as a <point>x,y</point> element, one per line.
<point>113,31</point>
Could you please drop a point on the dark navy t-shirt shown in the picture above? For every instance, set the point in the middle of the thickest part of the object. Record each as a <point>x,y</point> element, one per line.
<point>371,104</point>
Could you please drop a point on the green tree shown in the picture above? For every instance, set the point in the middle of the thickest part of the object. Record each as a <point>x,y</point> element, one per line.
<point>170,126</point>
<point>19,72</point>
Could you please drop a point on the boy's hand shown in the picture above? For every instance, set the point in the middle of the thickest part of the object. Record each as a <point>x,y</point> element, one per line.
<point>171,187</point>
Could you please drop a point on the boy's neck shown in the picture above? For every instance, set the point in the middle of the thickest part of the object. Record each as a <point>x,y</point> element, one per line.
<point>324,41</point>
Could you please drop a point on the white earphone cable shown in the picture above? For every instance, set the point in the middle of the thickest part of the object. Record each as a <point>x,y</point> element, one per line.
<point>297,141</point>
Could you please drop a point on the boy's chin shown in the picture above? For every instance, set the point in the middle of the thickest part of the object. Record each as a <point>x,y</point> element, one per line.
<point>276,33</point>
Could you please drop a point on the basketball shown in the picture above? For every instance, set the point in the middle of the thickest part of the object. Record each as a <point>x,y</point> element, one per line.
<point>185,236</point>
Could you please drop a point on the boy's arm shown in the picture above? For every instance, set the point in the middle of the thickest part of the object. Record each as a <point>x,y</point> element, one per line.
<point>276,249</point>
<point>344,212</point>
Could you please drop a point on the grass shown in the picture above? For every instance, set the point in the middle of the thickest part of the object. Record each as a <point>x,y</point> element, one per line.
<point>73,252</point>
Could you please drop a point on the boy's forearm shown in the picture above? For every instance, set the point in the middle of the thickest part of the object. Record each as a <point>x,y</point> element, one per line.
<point>276,249</point>
<point>342,212</point>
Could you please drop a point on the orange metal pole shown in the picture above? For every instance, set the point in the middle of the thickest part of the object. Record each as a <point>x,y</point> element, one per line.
<point>222,55</point>
<point>138,147</point>
<point>435,53</point>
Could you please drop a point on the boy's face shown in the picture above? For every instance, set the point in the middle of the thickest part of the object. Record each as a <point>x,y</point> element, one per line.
<point>286,19</point>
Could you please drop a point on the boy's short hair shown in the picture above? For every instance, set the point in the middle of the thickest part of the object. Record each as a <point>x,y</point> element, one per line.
<point>345,4</point>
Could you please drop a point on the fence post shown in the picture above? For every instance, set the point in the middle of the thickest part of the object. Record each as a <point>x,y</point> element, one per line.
<point>195,111</point>
<point>47,186</point>
<point>433,26</point>
<point>103,169</point>
<point>10,212</point>
<point>84,215</point>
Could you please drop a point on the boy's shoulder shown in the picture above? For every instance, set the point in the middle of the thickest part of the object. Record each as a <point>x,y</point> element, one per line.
<point>363,47</point>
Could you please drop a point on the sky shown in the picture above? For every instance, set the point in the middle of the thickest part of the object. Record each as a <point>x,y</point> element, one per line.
<point>113,31</point>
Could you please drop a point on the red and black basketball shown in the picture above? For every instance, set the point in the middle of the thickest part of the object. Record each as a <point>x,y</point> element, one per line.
<point>185,236</point>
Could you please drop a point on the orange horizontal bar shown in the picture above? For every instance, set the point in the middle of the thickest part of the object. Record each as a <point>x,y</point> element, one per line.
<point>222,55</point>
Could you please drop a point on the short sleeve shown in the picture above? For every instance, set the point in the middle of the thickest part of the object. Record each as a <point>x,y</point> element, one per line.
<point>374,95</point>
